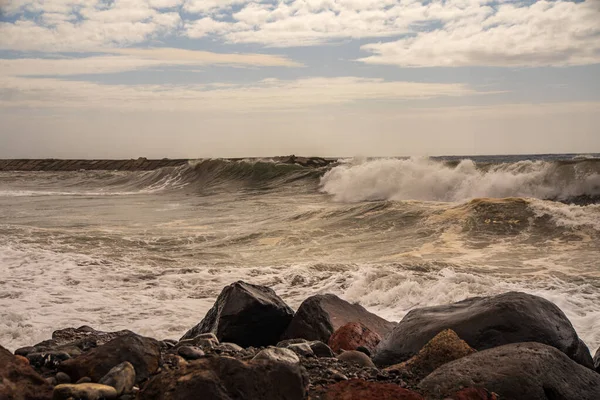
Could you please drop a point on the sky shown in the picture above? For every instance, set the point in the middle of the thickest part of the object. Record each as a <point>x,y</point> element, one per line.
<point>239,78</point>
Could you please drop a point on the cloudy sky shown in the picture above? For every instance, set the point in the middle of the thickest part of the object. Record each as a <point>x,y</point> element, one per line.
<point>229,78</point>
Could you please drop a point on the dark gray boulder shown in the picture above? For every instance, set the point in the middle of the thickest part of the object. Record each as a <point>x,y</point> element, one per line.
<point>597,361</point>
<point>485,322</point>
<point>18,381</point>
<point>142,352</point>
<point>531,371</point>
<point>321,315</point>
<point>226,378</point>
<point>247,315</point>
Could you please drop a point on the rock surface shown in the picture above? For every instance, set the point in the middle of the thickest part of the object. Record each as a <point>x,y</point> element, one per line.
<point>278,354</point>
<point>121,377</point>
<point>530,371</point>
<point>18,381</point>
<point>142,352</point>
<point>597,361</point>
<point>84,391</point>
<point>445,347</point>
<point>485,322</point>
<point>356,357</point>
<point>226,378</point>
<point>247,315</point>
<point>319,316</point>
<point>357,389</point>
<point>353,335</point>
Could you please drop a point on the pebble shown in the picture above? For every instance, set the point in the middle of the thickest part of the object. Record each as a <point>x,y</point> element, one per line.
<point>356,357</point>
<point>84,391</point>
<point>278,354</point>
<point>61,377</point>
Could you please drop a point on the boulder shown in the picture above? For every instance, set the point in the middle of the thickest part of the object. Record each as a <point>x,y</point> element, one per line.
<point>247,315</point>
<point>356,357</point>
<point>532,371</point>
<point>72,341</point>
<point>446,346</point>
<point>358,389</point>
<point>353,335</point>
<point>302,349</point>
<point>226,378</point>
<point>485,322</point>
<point>597,361</point>
<point>321,315</point>
<point>121,377</point>
<point>84,391</point>
<point>142,352</point>
<point>18,381</point>
<point>190,352</point>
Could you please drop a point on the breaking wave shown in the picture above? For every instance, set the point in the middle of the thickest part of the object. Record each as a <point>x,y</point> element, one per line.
<point>424,179</point>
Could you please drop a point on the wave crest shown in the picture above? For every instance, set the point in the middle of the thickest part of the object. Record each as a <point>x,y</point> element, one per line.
<point>425,179</point>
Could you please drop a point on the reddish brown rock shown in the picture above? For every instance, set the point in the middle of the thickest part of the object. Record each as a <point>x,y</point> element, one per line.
<point>351,336</point>
<point>358,389</point>
<point>446,346</point>
<point>474,394</point>
<point>18,381</point>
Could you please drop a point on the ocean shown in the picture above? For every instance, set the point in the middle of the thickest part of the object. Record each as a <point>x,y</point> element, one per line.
<point>150,251</point>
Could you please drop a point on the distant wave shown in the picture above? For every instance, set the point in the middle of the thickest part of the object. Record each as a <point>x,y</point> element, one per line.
<point>427,180</point>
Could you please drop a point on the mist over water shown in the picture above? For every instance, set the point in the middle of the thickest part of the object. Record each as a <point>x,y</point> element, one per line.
<point>150,251</point>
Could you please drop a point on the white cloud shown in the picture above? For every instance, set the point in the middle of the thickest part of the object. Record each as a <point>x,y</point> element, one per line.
<point>270,94</point>
<point>545,33</point>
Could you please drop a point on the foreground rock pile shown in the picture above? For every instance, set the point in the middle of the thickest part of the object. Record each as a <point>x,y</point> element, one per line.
<point>251,345</point>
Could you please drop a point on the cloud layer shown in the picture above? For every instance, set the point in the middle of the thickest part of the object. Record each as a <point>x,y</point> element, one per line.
<point>412,33</point>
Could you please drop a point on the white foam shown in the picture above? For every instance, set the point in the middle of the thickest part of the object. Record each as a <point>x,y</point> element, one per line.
<point>570,216</point>
<point>428,180</point>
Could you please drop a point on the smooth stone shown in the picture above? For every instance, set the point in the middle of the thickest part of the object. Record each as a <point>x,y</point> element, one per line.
<point>121,377</point>
<point>353,335</point>
<point>531,371</point>
<point>190,353</point>
<point>84,391</point>
<point>61,377</point>
<point>356,357</point>
<point>278,354</point>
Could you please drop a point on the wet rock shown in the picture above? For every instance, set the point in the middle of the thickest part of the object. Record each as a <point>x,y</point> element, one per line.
<point>121,377</point>
<point>23,351</point>
<point>74,341</point>
<point>18,381</point>
<point>225,378</point>
<point>85,379</point>
<point>84,391</point>
<point>278,354</point>
<point>358,389</point>
<point>597,361</point>
<point>319,316</point>
<point>365,350</point>
<point>473,394</point>
<point>61,378</point>
<point>143,353</point>
<point>353,335</point>
<point>321,349</point>
<point>446,346</point>
<point>245,314</point>
<point>168,343</point>
<point>302,349</point>
<point>198,341</point>
<point>356,357</point>
<point>190,352</point>
<point>532,371</point>
<point>485,322</point>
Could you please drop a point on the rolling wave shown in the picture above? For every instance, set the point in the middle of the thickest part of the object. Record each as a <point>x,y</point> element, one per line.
<point>424,179</point>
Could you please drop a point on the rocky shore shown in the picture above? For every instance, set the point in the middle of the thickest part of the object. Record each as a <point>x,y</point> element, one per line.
<point>251,345</point>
